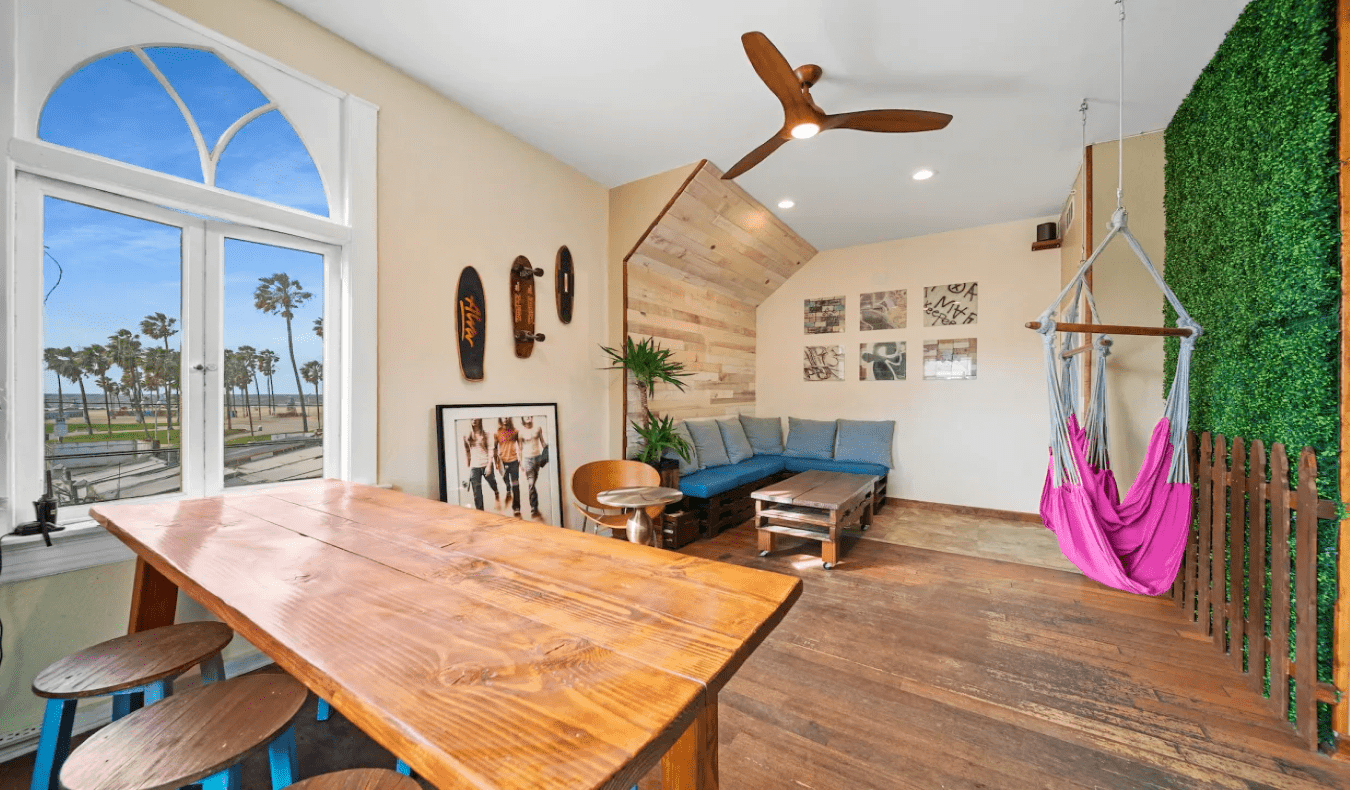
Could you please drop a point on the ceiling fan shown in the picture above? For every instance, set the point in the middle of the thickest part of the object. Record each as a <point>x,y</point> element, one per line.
<point>802,118</point>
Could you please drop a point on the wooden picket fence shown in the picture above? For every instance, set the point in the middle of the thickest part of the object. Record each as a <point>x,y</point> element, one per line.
<point>1242,533</point>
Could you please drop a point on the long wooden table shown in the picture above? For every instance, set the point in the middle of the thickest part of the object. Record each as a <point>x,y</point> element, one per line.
<point>485,651</point>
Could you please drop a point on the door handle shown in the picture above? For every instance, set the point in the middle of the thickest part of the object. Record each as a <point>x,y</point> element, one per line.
<point>203,368</point>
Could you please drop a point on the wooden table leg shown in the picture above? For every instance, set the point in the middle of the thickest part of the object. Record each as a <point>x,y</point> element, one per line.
<point>767,540</point>
<point>154,599</point>
<point>829,548</point>
<point>691,764</point>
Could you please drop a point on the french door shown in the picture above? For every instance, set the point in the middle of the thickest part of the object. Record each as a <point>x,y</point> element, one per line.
<point>158,353</point>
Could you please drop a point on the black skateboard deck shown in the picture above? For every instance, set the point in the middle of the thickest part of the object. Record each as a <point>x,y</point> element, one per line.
<point>564,284</point>
<point>522,305</point>
<point>471,310</point>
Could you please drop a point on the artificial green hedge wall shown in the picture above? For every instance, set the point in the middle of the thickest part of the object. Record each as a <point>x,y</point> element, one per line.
<point>1253,243</point>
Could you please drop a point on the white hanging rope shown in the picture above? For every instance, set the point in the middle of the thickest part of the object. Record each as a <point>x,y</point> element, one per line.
<point>1120,136</point>
<point>1177,407</point>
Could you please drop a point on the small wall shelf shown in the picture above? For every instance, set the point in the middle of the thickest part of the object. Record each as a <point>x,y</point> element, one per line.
<point>1052,244</point>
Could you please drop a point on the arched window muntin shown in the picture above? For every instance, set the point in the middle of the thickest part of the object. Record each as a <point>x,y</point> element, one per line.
<point>208,155</point>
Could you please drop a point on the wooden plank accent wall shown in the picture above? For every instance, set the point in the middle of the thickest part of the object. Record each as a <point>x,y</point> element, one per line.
<point>693,282</point>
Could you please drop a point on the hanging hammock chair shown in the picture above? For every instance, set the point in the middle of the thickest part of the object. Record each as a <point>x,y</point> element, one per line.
<point>1134,544</point>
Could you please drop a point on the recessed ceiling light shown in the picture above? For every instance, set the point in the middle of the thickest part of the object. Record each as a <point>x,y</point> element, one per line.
<point>785,203</point>
<point>804,130</point>
<point>923,175</point>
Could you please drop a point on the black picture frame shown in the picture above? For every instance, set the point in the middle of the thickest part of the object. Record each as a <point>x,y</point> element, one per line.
<point>498,488</point>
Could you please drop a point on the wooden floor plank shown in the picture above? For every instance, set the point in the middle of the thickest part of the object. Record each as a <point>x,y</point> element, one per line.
<point>915,668</point>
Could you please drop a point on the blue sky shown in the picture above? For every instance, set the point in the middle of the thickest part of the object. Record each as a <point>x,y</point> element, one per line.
<point>114,269</point>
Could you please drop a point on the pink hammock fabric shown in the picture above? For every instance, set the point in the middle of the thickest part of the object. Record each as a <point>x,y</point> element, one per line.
<point>1135,545</point>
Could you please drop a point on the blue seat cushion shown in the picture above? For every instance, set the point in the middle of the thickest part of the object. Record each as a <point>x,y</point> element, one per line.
<point>866,441</point>
<point>830,465</point>
<point>713,481</point>
<point>810,438</point>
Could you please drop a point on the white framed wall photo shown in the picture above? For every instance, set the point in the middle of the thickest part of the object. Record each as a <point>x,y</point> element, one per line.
<point>501,458</point>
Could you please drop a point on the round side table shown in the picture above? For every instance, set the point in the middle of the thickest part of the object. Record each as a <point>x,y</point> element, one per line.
<point>638,499</point>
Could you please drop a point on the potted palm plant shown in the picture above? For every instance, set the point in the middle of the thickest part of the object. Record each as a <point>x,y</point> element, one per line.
<point>648,363</point>
<point>658,436</point>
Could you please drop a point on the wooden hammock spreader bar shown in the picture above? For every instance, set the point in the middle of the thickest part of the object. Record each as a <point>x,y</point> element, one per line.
<point>1113,329</point>
<point>1106,341</point>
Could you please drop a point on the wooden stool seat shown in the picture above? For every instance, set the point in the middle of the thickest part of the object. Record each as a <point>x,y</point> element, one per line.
<point>132,660</point>
<point>359,779</point>
<point>186,738</point>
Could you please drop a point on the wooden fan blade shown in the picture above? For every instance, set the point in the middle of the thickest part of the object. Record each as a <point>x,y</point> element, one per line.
<point>755,157</point>
<point>773,68</point>
<point>888,121</point>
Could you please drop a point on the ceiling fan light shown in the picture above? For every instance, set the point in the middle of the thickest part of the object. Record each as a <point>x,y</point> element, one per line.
<point>804,130</point>
<point>923,175</point>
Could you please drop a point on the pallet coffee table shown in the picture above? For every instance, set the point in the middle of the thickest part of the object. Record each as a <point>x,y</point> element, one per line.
<point>816,505</point>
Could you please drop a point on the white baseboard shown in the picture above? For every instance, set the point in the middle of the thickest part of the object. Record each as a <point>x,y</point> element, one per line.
<point>93,713</point>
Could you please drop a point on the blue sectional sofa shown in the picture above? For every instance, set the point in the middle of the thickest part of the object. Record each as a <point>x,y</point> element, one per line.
<point>737,455</point>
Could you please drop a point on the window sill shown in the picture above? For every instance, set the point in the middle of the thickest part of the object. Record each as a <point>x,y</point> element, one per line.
<point>83,544</point>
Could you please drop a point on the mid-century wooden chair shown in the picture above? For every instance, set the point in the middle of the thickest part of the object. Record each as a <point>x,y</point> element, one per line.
<point>590,479</point>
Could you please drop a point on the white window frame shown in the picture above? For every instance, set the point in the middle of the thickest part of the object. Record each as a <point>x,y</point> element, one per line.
<point>347,237</point>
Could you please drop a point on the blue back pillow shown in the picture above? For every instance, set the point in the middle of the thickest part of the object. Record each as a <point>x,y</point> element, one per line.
<point>708,441</point>
<point>810,438</point>
<point>765,434</point>
<point>865,441</point>
<point>733,436</point>
<point>686,467</point>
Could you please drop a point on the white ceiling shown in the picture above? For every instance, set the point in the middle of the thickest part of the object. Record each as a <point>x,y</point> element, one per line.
<point>622,89</point>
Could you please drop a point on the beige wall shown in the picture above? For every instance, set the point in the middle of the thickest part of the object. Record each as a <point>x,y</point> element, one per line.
<point>1126,294</point>
<point>454,191</point>
<point>632,209</point>
<point>980,443</point>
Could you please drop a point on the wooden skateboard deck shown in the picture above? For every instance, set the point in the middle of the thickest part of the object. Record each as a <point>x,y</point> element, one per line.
<point>564,284</point>
<point>522,305</point>
<point>471,311</point>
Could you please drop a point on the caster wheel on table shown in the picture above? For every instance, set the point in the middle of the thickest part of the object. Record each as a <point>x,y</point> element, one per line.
<point>828,566</point>
<point>764,553</point>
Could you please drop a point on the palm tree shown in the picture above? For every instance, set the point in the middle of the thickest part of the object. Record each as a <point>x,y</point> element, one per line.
<point>267,365</point>
<point>249,354</point>
<point>236,377</point>
<point>318,326</point>
<point>313,373</point>
<point>53,359</point>
<point>94,360</point>
<point>153,382</point>
<point>73,369</point>
<point>158,326</point>
<point>126,352</point>
<point>280,295</point>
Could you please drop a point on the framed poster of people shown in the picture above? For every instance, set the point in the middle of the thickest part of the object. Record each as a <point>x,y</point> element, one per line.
<point>501,458</point>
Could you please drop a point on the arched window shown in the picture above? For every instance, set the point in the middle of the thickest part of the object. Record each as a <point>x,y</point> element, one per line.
<point>187,113</point>
<point>193,288</point>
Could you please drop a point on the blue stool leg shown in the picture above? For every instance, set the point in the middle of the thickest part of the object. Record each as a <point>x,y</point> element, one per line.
<point>403,768</point>
<point>157,691</point>
<point>213,669</point>
<point>325,710</point>
<point>229,779</point>
<point>125,702</point>
<point>53,744</point>
<point>281,757</point>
